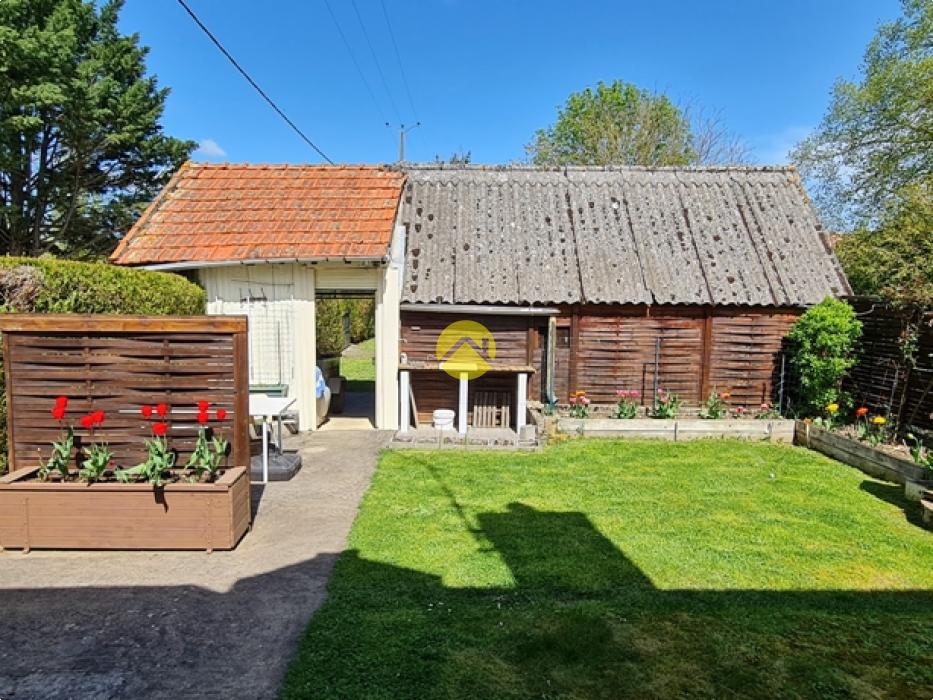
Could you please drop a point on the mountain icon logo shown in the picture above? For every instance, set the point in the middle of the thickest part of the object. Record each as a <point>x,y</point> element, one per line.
<point>465,347</point>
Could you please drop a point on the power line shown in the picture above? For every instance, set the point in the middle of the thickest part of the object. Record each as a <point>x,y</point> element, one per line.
<point>252,82</point>
<point>372,51</point>
<point>398,56</point>
<point>356,63</point>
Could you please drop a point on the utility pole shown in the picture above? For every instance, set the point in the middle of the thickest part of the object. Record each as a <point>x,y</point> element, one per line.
<point>401,139</point>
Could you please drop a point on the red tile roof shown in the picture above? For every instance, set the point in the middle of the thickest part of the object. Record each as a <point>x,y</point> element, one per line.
<point>233,213</point>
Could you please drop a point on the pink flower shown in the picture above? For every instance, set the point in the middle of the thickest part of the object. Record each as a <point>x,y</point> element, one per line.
<point>621,393</point>
<point>573,400</point>
<point>765,406</point>
<point>585,401</point>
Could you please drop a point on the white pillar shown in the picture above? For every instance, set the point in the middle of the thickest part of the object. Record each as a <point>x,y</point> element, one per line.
<point>463,408</point>
<point>305,348</point>
<point>387,348</point>
<point>521,400</point>
<point>404,401</point>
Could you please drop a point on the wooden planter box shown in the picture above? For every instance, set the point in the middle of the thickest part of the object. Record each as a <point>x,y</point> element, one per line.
<point>777,430</point>
<point>72,515</point>
<point>870,460</point>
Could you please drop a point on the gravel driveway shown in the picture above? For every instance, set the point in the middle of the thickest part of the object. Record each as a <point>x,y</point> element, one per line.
<point>96,625</point>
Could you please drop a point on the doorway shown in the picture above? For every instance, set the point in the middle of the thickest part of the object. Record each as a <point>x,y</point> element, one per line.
<point>346,351</point>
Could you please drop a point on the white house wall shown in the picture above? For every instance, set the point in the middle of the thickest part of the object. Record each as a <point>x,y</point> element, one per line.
<point>279,301</point>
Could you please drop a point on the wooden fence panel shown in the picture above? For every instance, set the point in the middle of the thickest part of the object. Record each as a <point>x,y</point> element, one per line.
<point>118,364</point>
<point>881,379</point>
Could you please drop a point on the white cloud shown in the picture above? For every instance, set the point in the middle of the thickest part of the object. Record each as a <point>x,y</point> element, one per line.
<point>209,148</point>
<point>774,149</point>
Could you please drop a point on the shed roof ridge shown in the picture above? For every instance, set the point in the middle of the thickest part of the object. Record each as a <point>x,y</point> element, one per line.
<point>527,167</point>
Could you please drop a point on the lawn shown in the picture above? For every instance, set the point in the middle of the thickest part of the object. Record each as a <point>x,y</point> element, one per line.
<point>358,366</point>
<point>600,569</point>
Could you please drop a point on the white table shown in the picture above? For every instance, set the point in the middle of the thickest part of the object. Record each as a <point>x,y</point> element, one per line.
<point>268,408</point>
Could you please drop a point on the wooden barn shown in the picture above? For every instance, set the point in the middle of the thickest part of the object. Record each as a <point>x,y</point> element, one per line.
<point>599,279</point>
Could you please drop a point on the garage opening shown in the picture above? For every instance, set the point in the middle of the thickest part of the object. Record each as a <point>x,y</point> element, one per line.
<point>346,354</point>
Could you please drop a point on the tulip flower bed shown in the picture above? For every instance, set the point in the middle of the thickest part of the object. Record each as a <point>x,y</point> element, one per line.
<point>101,467</point>
<point>667,419</point>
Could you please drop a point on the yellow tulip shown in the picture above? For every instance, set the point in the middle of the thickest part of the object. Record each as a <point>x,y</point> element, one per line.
<point>833,407</point>
<point>879,420</point>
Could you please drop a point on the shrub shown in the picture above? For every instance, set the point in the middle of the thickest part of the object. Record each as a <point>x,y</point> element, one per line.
<point>47,285</point>
<point>823,346</point>
<point>331,339</point>
<point>331,335</point>
<point>362,319</point>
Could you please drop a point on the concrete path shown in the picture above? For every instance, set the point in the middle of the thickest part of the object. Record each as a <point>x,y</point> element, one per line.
<point>97,625</point>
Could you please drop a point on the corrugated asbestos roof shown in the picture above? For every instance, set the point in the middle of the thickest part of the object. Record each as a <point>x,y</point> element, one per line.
<point>522,235</point>
<point>236,213</point>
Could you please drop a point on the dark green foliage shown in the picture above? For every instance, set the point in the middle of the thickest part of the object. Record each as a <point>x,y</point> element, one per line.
<point>47,285</point>
<point>824,347</point>
<point>331,338</point>
<point>81,147</point>
<point>895,261</point>
<point>331,332</point>
<point>362,319</point>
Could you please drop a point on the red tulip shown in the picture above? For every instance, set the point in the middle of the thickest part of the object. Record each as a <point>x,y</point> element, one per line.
<point>161,409</point>
<point>146,411</point>
<point>203,417</point>
<point>97,417</point>
<point>203,406</point>
<point>87,421</point>
<point>61,402</point>
<point>221,414</point>
<point>58,412</point>
<point>861,412</point>
<point>159,429</point>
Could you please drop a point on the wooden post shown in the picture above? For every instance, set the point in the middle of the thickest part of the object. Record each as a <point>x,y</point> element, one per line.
<point>705,368</point>
<point>574,348</point>
<point>462,404</point>
<point>404,387</point>
<point>521,401</point>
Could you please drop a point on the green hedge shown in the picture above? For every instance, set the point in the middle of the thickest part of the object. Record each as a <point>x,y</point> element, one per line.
<point>329,323</point>
<point>47,285</point>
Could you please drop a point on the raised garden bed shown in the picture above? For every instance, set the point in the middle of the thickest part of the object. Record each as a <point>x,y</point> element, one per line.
<point>870,460</point>
<point>776,430</point>
<point>109,515</point>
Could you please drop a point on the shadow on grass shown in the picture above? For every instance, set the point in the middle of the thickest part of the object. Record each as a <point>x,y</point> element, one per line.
<point>583,621</point>
<point>894,494</point>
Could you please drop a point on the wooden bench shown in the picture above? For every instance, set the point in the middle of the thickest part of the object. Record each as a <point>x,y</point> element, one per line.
<point>492,409</point>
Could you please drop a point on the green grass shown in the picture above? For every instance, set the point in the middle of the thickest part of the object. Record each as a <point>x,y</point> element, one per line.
<point>360,371</point>
<point>604,569</point>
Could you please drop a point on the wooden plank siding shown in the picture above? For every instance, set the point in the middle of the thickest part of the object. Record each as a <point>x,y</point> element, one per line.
<point>601,349</point>
<point>117,364</point>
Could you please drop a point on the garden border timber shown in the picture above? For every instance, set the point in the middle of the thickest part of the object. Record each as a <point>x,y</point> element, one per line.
<point>775,430</point>
<point>871,461</point>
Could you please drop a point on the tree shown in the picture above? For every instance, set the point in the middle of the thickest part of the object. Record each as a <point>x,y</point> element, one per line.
<point>877,138</point>
<point>621,124</point>
<point>895,260</point>
<point>81,146</point>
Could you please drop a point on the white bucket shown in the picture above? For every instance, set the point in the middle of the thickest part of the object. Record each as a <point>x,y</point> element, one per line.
<point>444,419</point>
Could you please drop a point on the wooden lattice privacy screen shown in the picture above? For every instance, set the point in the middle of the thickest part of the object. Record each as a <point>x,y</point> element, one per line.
<point>118,364</point>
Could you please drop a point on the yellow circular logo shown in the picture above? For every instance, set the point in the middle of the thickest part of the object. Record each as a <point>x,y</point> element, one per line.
<point>465,347</point>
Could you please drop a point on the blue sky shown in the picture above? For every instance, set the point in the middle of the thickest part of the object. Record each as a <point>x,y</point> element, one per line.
<point>485,75</point>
